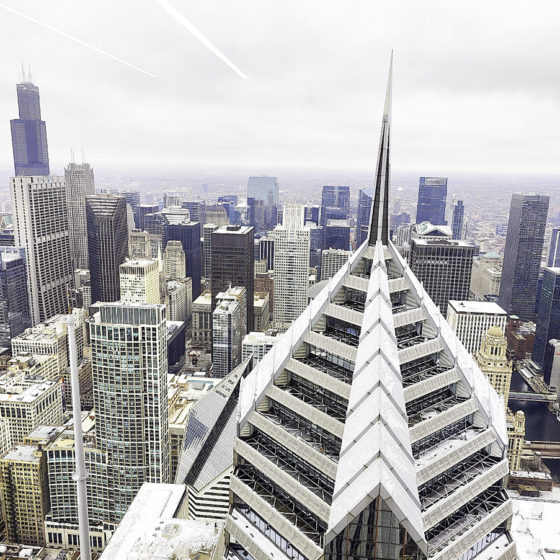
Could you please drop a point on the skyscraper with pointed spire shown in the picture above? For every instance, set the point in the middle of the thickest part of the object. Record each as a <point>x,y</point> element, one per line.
<point>29,132</point>
<point>368,431</point>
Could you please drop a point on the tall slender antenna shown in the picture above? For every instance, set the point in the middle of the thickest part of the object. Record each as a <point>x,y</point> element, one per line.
<point>379,224</point>
<point>81,472</point>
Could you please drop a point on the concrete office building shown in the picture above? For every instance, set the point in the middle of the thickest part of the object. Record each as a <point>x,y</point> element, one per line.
<point>107,244</point>
<point>228,330</point>
<point>29,403</point>
<point>291,267</point>
<point>202,320</point>
<point>261,311</point>
<point>139,281</point>
<point>523,253</point>
<point>442,264</point>
<point>332,260</point>
<point>129,366</point>
<point>179,299</point>
<point>174,262</point>
<point>470,321</point>
<point>79,184</point>
<point>256,345</point>
<point>486,276</point>
<point>25,494</point>
<point>41,228</point>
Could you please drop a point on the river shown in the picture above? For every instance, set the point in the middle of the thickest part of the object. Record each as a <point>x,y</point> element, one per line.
<point>540,423</point>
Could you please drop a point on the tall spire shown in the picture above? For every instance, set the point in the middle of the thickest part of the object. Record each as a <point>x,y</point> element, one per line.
<point>379,225</point>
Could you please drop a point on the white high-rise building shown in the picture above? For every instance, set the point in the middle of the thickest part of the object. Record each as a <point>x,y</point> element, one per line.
<point>139,279</point>
<point>179,299</point>
<point>332,260</point>
<point>228,330</point>
<point>207,230</point>
<point>291,267</point>
<point>470,321</point>
<point>129,367</point>
<point>257,345</point>
<point>41,227</point>
<point>79,184</point>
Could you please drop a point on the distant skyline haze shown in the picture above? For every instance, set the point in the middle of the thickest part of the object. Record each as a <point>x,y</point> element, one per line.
<point>475,87</point>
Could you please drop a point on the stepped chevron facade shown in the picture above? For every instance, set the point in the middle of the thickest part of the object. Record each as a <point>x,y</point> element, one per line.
<point>368,431</point>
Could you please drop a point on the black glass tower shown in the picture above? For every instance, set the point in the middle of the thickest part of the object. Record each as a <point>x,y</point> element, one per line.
<point>364,211</point>
<point>233,264</point>
<point>15,314</point>
<point>188,233</point>
<point>522,255</point>
<point>335,203</point>
<point>432,195</point>
<point>458,220</point>
<point>548,321</point>
<point>107,230</point>
<point>29,133</point>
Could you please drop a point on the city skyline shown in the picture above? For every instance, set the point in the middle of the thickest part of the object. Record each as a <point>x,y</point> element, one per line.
<point>283,116</point>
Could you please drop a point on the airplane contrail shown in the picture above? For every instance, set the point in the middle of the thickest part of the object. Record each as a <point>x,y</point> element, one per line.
<point>182,20</point>
<point>75,39</point>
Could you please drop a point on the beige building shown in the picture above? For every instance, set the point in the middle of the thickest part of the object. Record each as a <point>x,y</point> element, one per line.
<point>516,438</point>
<point>51,338</point>
<point>261,311</point>
<point>139,281</point>
<point>28,403</point>
<point>174,261</point>
<point>486,276</point>
<point>493,362</point>
<point>25,494</point>
<point>202,319</point>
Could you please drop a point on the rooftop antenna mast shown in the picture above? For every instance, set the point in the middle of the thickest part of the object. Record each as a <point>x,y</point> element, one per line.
<point>81,473</point>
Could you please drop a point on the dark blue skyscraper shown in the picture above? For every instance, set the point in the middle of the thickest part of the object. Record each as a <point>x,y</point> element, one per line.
<point>522,255</point>
<point>15,315</point>
<point>554,250</point>
<point>364,211</point>
<point>432,194</point>
<point>548,321</point>
<point>458,217</point>
<point>188,233</point>
<point>29,133</point>
<point>335,204</point>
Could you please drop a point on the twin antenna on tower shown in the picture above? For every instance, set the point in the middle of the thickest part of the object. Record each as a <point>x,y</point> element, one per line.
<point>26,77</point>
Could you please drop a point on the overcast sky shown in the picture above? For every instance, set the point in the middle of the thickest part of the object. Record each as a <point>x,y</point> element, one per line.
<point>475,89</point>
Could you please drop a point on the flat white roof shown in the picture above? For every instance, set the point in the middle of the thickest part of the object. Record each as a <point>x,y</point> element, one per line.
<point>149,530</point>
<point>484,307</point>
<point>535,525</point>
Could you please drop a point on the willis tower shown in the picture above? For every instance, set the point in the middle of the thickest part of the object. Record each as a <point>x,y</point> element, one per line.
<point>29,133</point>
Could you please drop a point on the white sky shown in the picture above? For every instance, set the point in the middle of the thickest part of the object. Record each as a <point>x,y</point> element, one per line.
<point>476,84</point>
